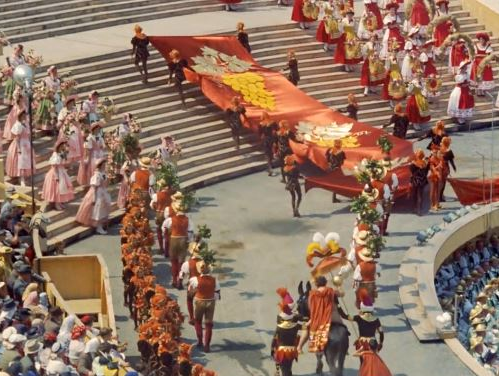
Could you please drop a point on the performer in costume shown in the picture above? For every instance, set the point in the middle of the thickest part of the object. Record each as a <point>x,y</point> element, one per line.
<point>417,109</point>
<point>458,54</point>
<point>90,106</point>
<point>436,165</point>
<point>45,113</point>
<point>176,67</point>
<point>373,71</point>
<point>292,67</point>
<point>189,268</point>
<point>96,205</point>
<point>68,108</point>
<point>399,121</point>
<point>19,104</point>
<point>328,31</point>
<point>242,36</point>
<point>180,230</point>
<point>53,83</point>
<point>371,20</point>
<point>207,292</point>
<point>448,161</point>
<point>327,248</point>
<point>130,165</point>
<point>284,134</point>
<point>292,174</point>
<point>393,88</point>
<point>481,72</point>
<point>419,15</point>
<point>387,182</point>
<point>393,41</point>
<point>348,51</point>
<point>368,325</point>
<point>229,4</point>
<point>57,186</point>
<point>159,202</point>
<point>419,178</point>
<point>285,340</point>
<point>364,276</point>
<point>267,131</point>
<point>94,150</point>
<point>19,162</point>
<point>443,24</point>
<point>352,107</point>
<point>370,362</point>
<point>298,16</point>
<point>436,134</point>
<point>335,157</point>
<point>142,179</point>
<point>236,115</point>
<point>461,101</point>
<point>140,54</point>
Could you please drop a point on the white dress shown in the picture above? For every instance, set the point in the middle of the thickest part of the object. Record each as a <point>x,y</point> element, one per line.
<point>55,86</point>
<point>90,108</point>
<point>458,107</point>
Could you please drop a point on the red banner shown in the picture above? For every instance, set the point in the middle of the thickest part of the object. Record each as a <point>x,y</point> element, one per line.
<point>291,104</point>
<point>475,191</point>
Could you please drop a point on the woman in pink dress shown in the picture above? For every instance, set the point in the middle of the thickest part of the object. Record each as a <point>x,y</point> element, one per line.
<point>18,163</point>
<point>57,186</point>
<point>93,150</point>
<point>19,105</point>
<point>126,170</point>
<point>96,205</point>
<point>70,131</point>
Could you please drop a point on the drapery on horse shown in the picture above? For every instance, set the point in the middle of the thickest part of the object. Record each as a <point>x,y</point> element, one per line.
<point>337,345</point>
<point>333,257</point>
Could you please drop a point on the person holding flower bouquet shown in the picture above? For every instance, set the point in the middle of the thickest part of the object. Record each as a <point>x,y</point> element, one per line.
<point>45,114</point>
<point>53,83</point>
<point>71,131</point>
<point>90,107</point>
<point>168,152</point>
<point>93,151</point>
<point>19,105</point>
<point>57,186</point>
<point>68,108</point>
<point>129,166</point>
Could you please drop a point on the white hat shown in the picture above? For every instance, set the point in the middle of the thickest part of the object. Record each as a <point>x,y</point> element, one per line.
<point>423,57</point>
<point>8,332</point>
<point>56,367</point>
<point>17,338</point>
<point>408,46</point>
<point>366,308</point>
<point>361,237</point>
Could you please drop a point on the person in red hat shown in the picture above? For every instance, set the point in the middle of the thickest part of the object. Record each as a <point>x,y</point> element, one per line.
<point>298,16</point>
<point>436,165</point>
<point>393,41</point>
<point>481,72</point>
<point>373,71</point>
<point>57,186</point>
<point>284,343</point>
<point>348,52</point>
<point>229,4</point>
<point>461,103</point>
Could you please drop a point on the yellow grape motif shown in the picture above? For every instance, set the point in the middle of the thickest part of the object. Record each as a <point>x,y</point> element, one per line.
<point>252,88</point>
<point>346,142</point>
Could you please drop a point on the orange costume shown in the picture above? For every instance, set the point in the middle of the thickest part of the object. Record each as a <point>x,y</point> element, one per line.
<point>321,305</point>
<point>372,365</point>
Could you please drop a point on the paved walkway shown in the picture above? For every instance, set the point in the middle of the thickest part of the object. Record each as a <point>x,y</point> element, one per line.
<point>261,247</point>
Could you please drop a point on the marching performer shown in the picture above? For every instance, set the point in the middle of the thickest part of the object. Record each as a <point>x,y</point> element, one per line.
<point>19,104</point>
<point>419,178</point>
<point>18,164</point>
<point>448,161</point>
<point>328,31</point>
<point>176,76</point>
<point>443,24</point>
<point>57,186</point>
<point>373,71</point>
<point>394,88</point>
<point>180,230</point>
<point>236,115</point>
<point>481,71</point>
<point>459,52</point>
<point>142,179</point>
<point>399,121</point>
<point>93,150</point>
<point>89,107</point>
<point>436,165</point>
<point>284,134</point>
<point>292,174</point>
<point>267,130</point>
<point>352,107</point>
<point>140,54</point>
<point>53,83</point>
<point>130,165</point>
<point>71,131</point>
<point>292,67</point>
<point>68,108</point>
<point>417,109</point>
<point>96,205</point>
<point>286,336</point>
<point>189,268</point>
<point>418,14</point>
<point>387,182</point>
<point>371,20</point>
<point>393,41</point>
<point>348,52</point>
<point>45,115</point>
<point>206,291</point>
<point>242,36</point>
<point>298,16</point>
<point>160,200</point>
<point>371,363</point>
<point>461,101</point>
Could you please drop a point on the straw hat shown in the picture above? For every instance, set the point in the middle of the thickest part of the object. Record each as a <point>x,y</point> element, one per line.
<point>203,268</point>
<point>361,237</point>
<point>365,255</point>
<point>145,162</point>
<point>95,125</point>
<point>71,98</point>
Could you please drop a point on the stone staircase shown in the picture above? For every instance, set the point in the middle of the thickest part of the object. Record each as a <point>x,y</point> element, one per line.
<point>209,154</point>
<point>26,20</point>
